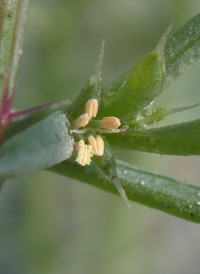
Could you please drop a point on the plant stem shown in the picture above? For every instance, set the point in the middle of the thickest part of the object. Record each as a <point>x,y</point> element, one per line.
<point>26,118</point>
<point>14,16</point>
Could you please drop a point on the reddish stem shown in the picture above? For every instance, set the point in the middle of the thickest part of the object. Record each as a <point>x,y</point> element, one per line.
<point>14,115</point>
<point>5,111</point>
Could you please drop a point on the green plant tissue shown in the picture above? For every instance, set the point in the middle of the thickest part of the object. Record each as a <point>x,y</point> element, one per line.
<point>40,146</point>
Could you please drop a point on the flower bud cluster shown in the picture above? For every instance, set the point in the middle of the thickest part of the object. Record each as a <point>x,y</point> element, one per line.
<point>96,145</point>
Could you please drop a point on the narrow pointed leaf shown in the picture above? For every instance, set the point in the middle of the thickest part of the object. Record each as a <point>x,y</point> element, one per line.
<point>177,139</point>
<point>148,188</point>
<point>147,116</point>
<point>182,49</point>
<point>140,86</point>
<point>108,165</point>
<point>152,115</point>
<point>92,90</point>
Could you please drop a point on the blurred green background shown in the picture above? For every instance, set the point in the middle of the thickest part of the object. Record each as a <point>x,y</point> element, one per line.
<point>51,224</point>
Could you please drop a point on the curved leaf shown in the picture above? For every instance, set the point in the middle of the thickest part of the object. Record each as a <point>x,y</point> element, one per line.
<point>137,88</point>
<point>40,146</point>
<point>140,86</point>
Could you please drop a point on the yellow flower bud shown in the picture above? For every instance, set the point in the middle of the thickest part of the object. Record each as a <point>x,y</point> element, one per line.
<point>91,108</point>
<point>82,120</point>
<point>97,145</point>
<point>110,122</point>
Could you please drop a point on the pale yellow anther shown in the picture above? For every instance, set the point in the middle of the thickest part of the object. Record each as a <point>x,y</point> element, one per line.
<point>82,120</point>
<point>97,145</point>
<point>92,141</point>
<point>100,145</point>
<point>84,153</point>
<point>91,108</point>
<point>110,122</point>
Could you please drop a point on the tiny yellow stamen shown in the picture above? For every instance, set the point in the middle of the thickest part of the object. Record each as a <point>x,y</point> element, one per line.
<point>110,122</point>
<point>93,143</point>
<point>82,120</point>
<point>84,153</point>
<point>91,108</point>
<point>100,145</point>
<point>97,145</point>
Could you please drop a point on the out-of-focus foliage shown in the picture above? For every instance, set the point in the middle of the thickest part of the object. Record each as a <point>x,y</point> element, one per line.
<point>50,225</point>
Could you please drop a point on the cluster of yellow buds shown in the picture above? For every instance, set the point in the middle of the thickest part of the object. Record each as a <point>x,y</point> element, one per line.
<point>96,145</point>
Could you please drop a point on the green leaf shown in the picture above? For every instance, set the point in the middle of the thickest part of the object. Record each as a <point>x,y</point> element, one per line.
<point>177,139</point>
<point>157,191</point>
<point>106,162</point>
<point>40,146</point>
<point>146,117</point>
<point>140,86</point>
<point>108,165</point>
<point>136,89</point>
<point>152,115</point>
<point>92,90</point>
<point>182,50</point>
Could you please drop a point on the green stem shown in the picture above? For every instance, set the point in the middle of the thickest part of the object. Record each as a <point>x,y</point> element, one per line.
<point>14,15</point>
<point>26,120</point>
<point>148,188</point>
<point>18,38</point>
